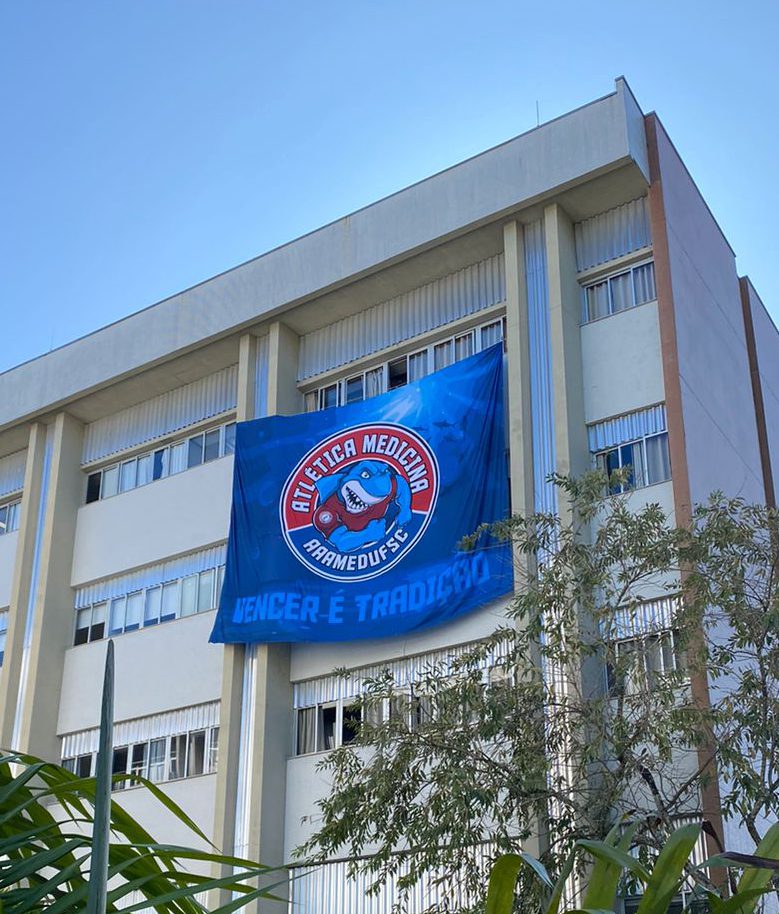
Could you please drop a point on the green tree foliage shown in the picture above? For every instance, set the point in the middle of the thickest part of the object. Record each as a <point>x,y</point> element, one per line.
<point>559,725</point>
<point>46,849</point>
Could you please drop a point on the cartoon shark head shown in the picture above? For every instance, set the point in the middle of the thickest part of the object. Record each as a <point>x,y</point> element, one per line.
<point>365,484</point>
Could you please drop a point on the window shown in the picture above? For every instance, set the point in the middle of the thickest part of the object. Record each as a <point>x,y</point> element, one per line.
<point>647,461</point>
<point>619,292</point>
<point>185,596</point>
<point>145,468</point>
<point>405,369</point>
<point>3,633</point>
<point>640,660</point>
<point>327,726</point>
<point>166,758</point>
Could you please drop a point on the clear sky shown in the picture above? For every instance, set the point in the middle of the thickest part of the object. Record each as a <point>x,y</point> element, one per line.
<point>149,144</point>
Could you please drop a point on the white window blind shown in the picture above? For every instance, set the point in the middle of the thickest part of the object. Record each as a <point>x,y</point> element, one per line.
<point>630,427</point>
<point>404,672</point>
<point>12,473</point>
<point>612,234</point>
<point>150,575</point>
<point>437,303</point>
<point>169,723</point>
<point>166,413</point>
<point>644,618</point>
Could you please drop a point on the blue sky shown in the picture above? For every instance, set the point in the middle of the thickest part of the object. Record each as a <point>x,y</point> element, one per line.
<point>148,145</point>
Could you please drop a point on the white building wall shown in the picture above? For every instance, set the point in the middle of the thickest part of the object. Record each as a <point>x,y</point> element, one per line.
<point>8,543</point>
<point>168,517</point>
<point>622,363</point>
<point>158,669</point>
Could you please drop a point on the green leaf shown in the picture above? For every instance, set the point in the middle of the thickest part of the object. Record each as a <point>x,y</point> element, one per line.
<point>665,880</point>
<point>503,883</point>
<point>604,878</point>
<point>753,878</point>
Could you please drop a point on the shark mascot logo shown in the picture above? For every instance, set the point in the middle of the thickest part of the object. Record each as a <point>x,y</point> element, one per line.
<point>359,501</point>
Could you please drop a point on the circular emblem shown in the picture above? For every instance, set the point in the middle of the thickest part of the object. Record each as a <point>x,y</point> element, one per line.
<point>359,501</point>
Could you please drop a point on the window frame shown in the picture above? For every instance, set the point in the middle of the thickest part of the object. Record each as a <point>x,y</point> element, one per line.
<point>600,460</point>
<point>213,589</point>
<point>606,279</point>
<point>314,398</point>
<point>160,461</point>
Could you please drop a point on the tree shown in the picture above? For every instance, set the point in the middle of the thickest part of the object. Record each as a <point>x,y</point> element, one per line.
<point>578,713</point>
<point>57,854</point>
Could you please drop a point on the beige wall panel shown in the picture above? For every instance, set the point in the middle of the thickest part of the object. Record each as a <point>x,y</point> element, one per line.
<point>194,795</point>
<point>157,669</point>
<point>7,556</point>
<point>166,518</point>
<point>309,660</point>
<point>621,363</point>
<point>305,785</point>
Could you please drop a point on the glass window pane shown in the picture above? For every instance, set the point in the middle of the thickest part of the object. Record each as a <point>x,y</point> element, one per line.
<point>128,475</point>
<point>491,334</point>
<point>644,283</point>
<point>178,756</point>
<point>117,615</point>
<point>13,517</point>
<point>134,611</point>
<point>3,518</point>
<point>195,451</point>
<point>306,735</point>
<point>312,401</point>
<point>463,346</point>
<point>658,460</point>
<point>629,455</point>
<point>160,461</point>
<point>157,749</point>
<point>350,724</point>
<point>220,579</point>
<point>144,469</point>
<point>205,591</point>
<point>110,482</point>
<point>211,447</point>
<point>417,365</point>
<point>597,300</point>
<point>621,292</point>
<point>326,728</point>
<point>151,612</point>
<point>398,373</point>
<point>328,396</point>
<point>83,617</point>
<point>374,382</point>
<point>612,463</point>
<point>354,389</point>
<point>189,595</point>
<point>93,487</point>
<point>119,765</point>
<point>178,458</point>
<point>99,616</point>
<point>443,355</point>
<point>138,759</point>
<point>196,753</point>
<point>213,749</point>
<point>84,765</point>
<point>230,438</point>
<point>170,601</point>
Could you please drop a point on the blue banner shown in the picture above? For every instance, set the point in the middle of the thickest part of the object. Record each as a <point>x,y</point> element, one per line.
<point>346,522</point>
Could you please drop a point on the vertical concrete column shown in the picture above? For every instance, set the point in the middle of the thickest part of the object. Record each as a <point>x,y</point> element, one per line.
<point>273,691</point>
<point>565,337</point>
<point>52,614</point>
<point>234,657</point>
<point>520,428</point>
<point>21,583</point>
<point>255,720</point>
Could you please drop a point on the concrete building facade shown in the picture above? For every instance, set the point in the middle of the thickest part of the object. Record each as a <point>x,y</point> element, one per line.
<point>629,337</point>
